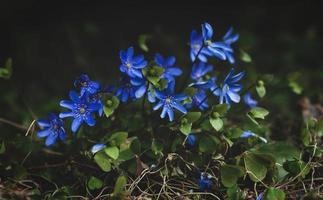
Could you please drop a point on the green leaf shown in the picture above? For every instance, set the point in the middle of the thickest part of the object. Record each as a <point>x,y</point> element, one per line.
<point>185,128</point>
<point>118,138</point>
<point>6,71</point>
<point>230,174</point>
<point>221,109</point>
<point>94,183</point>
<point>260,88</point>
<point>235,193</point>
<point>208,144</point>
<point>244,56</point>
<point>103,161</point>
<point>257,165</point>
<point>193,116</point>
<point>110,105</point>
<point>153,74</point>
<point>119,186</point>
<point>282,151</point>
<point>142,41</point>
<point>258,112</point>
<point>126,154</point>
<point>113,152</point>
<point>2,148</point>
<point>274,194</point>
<point>217,123</point>
<point>157,147</point>
<point>296,167</point>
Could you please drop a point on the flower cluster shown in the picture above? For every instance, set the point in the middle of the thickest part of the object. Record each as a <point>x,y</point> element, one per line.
<point>155,80</point>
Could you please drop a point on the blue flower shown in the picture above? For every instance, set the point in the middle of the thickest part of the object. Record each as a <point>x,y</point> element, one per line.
<point>247,134</point>
<point>81,110</point>
<point>229,91</point>
<point>205,182</point>
<point>96,98</point>
<point>199,100</point>
<point>202,46</point>
<point>131,64</point>
<point>52,129</point>
<point>196,43</point>
<point>97,147</point>
<point>191,139</point>
<point>260,196</point>
<point>228,39</point>
<point>168,65</point>
<point>200,70</point>
<point>215,49</point>
<point>249,100</point>
<point>86,85</point>
<point>140,85</point>
<point>126,90</point>
<point>169,101</point>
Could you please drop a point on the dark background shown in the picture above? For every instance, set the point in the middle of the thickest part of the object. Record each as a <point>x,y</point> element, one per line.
<point>52,43</point>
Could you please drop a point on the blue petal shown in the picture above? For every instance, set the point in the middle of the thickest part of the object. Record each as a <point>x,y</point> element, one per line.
<point>170,113</point>
<point>174,71</point>
<point>160,95</point>
<point>130,52</point>
<point>74,97</point>
<point>179,107</point>
<point>44,133</point>
<point>66,114</point>
<point>247,134</point>
<point>207,31</point>
<point>62,134</point>
<point>158,105</point>
<point>164,111</point>
<point>97,147</point>
<point>51,139</point>
<point>159,60</point>
<point>233,96</point>
<point>140,91</point>
<point>90,120</point>
<point>76,124</point>
<point>67,104</point>
<point>180,97</point>
<point>138,59</point>
<point>123,55</point>
<point>43,123</point>
<point>94,107</point>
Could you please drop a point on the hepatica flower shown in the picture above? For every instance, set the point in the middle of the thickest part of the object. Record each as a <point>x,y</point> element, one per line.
<point>126,90</point>
<point>81,109</point>
<point>168,64</point>
<point>131,64</point>
<point>191,139</point>
<point>86,85</point>
<point>228,39</point>
<point>260,196</point>
<point>200,70</point>
<point>168,101</point>
<point>205,182</point>
<point>249,100</point>
<point>228,93</point>
<point>140,86</point>
<point>248,134</point>
<point>212,48</point>
<point>196,43</point>
<point>97,147</point>
<point>52,128</point>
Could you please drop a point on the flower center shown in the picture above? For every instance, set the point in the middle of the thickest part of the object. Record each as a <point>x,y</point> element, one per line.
<point>168,100</point>
<point>82,110</point>
<point>208,42</point>
<point>128,65</point>
<point>84,83</point>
